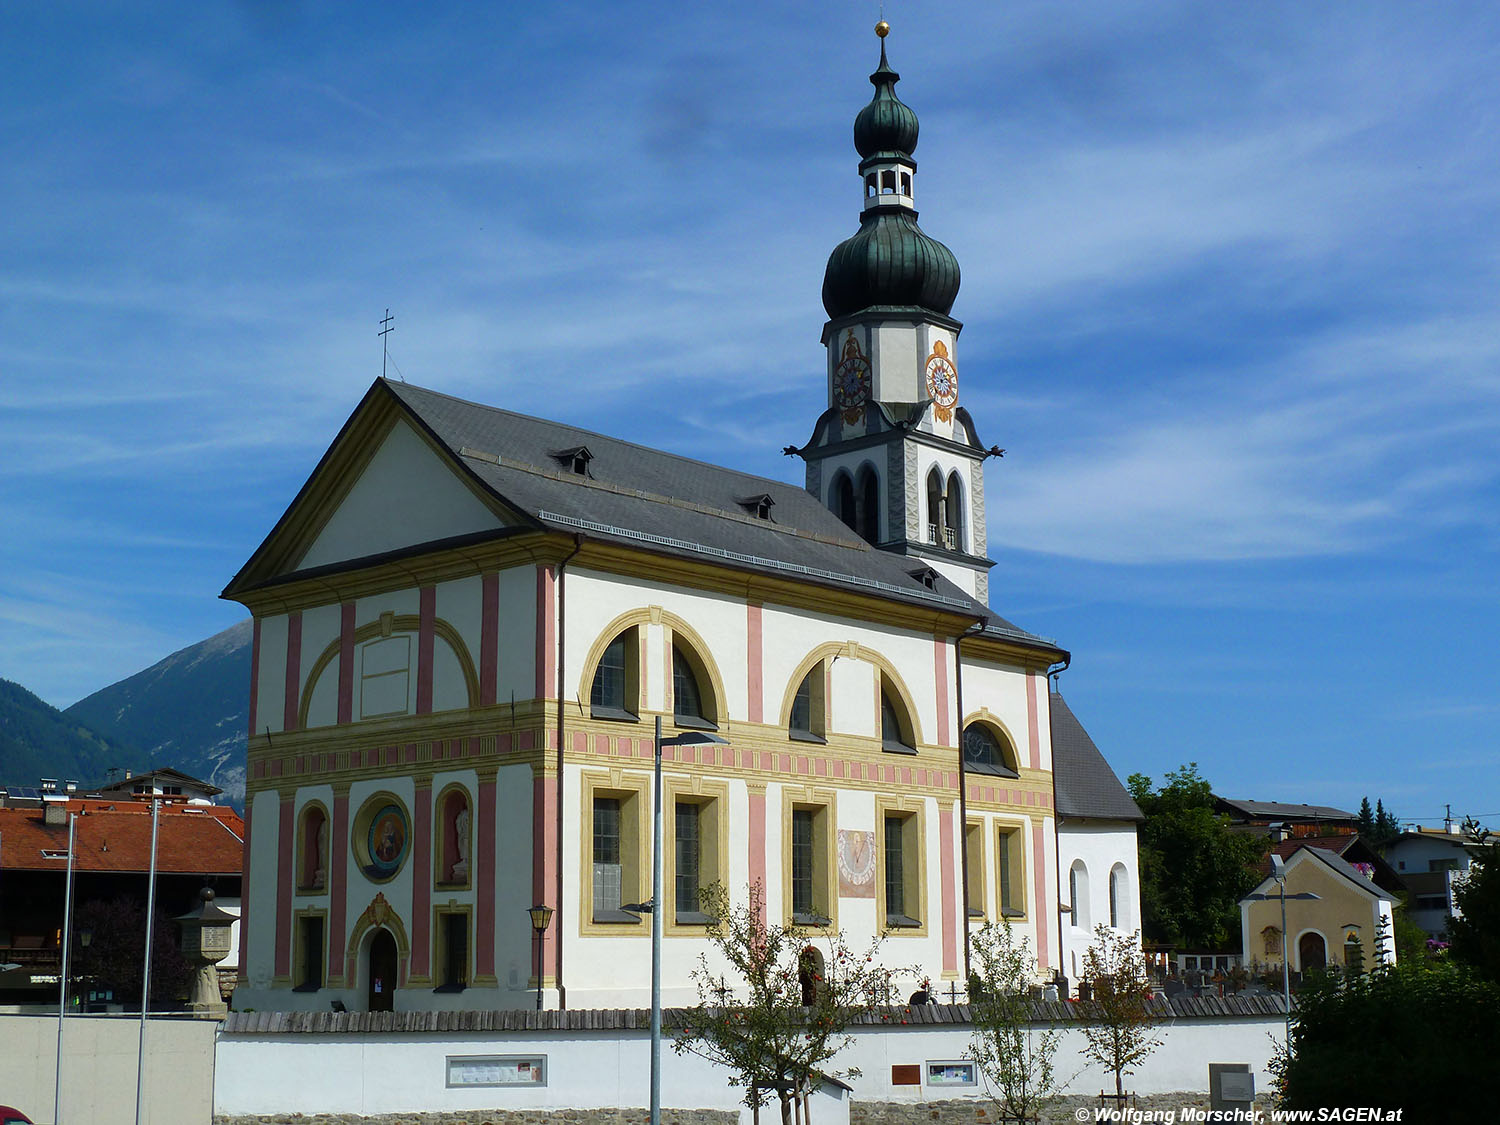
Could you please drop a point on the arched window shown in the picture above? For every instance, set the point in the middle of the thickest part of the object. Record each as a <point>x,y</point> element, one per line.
<point>935,513</point>
<point>987,750</point>
<point>808,709</point>
<point>841,500</point>
<point>869,504</point>
<point>312,872</point>
<point>1119,897</point>
<point>905,183</point>
<point>1078,894</point>
<point>895,724</point>
<point>888,182</point>
<point>615,689</point>
<point>953,513</point>
<point>691,705</point>
<point>870,185</point>
<point>454,820</point>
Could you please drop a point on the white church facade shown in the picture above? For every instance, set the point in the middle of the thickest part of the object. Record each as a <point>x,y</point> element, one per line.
<point>468,620</point>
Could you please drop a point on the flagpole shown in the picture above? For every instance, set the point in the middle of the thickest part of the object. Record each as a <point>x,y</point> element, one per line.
<point>62,987</point>
<point>140,1065</point>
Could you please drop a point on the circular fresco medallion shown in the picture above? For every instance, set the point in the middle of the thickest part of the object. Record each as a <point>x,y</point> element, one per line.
<point>387,842</point>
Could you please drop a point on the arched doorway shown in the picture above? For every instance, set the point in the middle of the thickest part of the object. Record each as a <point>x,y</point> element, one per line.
<point>1312,952</point>
<point>381,987</point>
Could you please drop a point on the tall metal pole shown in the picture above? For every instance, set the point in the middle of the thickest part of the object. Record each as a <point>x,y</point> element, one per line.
<point>62,988</point>
<point>140,1064</point>
<point>1286,973</point>
<point>658,905</point>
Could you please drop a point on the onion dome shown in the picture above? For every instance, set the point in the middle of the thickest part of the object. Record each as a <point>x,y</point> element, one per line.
<point>887,124</point>
<point>890,261</point>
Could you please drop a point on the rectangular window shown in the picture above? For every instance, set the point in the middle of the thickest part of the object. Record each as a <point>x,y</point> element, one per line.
<point>974,855</point>
<point>609,873</point>
<point>385,677</point>
<point>310,961</point>
<point>804,861</point>
<point>689,857</point>
<point>902,897</point>
<point>1010,864</point>
<point>454,948</point>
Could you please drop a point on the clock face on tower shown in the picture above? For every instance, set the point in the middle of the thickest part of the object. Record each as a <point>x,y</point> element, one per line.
<point>942,381</point>
<point>851,379</point>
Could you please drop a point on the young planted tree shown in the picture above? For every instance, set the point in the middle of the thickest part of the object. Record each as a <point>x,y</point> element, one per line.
<point>1015,1059</point>
<point>1119,1034</point>
<point>773,1009</point>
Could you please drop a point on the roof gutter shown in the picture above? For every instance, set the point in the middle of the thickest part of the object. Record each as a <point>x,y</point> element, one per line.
<point>1053,672</point>
<point>562,643</point>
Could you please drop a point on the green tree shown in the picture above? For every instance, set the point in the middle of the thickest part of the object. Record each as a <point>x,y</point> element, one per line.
<point>116,953</point>
<point>1194,867</point>
<point>1119,1033</point>
<point>1365,825</point>
<point>780,1014</point>
<point>1474,929</point>
<point>1396,1037</point>
<point>1015,1058</point>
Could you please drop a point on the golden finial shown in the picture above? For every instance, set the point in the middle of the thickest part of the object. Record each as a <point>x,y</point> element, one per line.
<point>882,29</point>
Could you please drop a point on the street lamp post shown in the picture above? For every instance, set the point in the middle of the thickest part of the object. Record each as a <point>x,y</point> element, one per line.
<point>62,978</point>
<point>541,917</point>
<point>1278,872</point>
<point>654,906</point>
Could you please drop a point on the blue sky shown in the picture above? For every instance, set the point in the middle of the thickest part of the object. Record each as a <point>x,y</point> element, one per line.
<point>1230,277</point>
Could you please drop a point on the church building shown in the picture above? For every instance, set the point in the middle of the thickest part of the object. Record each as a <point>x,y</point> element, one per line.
<point>468,620</point>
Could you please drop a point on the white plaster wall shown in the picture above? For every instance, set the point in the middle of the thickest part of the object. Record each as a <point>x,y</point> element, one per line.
<point>1099,846</point>
<point>323,705</point>
<point>516,668</point>
<point>896,368</point>
<point>400,602</point>
<point>260,888</point>
<point>461,604</point>
<point>450,692</point>
<point>404,476</point>
<point>596,598</point>
<point>397,1073</point>
<point>513,954</point>
<point>1001,689</point>
<point>270,692</point>
<point>991,823</point>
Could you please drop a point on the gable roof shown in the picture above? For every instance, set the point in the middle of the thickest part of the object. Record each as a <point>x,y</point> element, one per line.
<point>1338,867</point>
<point>160,774</point>
<point>1087,789</point>
<point>1276,810</point>
<point>1349,847</point>
<point>191,839</point>
<point>643,498</point>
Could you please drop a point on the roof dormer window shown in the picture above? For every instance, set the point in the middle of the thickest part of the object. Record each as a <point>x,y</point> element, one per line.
<point>758,506</point>
<point>927,576</point>
<point>575,460</point>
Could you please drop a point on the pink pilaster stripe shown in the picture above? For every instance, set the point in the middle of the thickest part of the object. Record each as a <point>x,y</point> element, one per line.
<point>758,848</point>
<point>949,895</point>
<point>245,872</point>
<point>489,639</point>
<point>1039,865</point>
<point>293,670</point>
<point>753,655</point>
<point>338,849</point>
<point>346,662</point>
<point>940,672</point>
<point>544,862</point>
<point>1032,728</point>
<point>546,634</point>
<point>421,893</point>
<point>254,697</point>
<point>285,831</point>
<point>484,874</point>
<point>427,612</point>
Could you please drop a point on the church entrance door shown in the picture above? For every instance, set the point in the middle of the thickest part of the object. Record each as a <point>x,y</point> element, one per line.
<point>1312,952</point>
<point>382,986</point>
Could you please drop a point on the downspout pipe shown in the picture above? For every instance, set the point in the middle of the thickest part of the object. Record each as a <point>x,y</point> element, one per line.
<point>1052,672</point>
<point>963,785</point>
<point>562,650</point>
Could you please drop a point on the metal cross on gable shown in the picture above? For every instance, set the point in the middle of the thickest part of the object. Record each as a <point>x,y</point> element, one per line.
<point>385,330</point>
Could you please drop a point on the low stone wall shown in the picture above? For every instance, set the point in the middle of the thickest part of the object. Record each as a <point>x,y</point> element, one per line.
<point>503,1117</point>
<point>983,1113</point>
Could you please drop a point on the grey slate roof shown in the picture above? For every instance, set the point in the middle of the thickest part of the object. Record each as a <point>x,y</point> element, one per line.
<point>673,505</point>
<point>1257,810</point>
<point>1086,787</point>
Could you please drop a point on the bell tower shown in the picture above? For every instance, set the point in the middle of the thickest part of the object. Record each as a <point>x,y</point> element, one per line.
<point>894,454</point>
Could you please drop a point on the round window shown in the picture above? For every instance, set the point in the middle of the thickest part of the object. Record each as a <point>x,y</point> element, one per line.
<point>381,837</point>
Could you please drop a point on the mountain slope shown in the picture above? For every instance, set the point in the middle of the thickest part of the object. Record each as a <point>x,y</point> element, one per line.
<point>188,711</point>
<point>37,740</point>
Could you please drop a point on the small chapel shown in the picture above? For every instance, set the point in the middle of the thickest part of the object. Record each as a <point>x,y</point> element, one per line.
<point>468,621</point>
